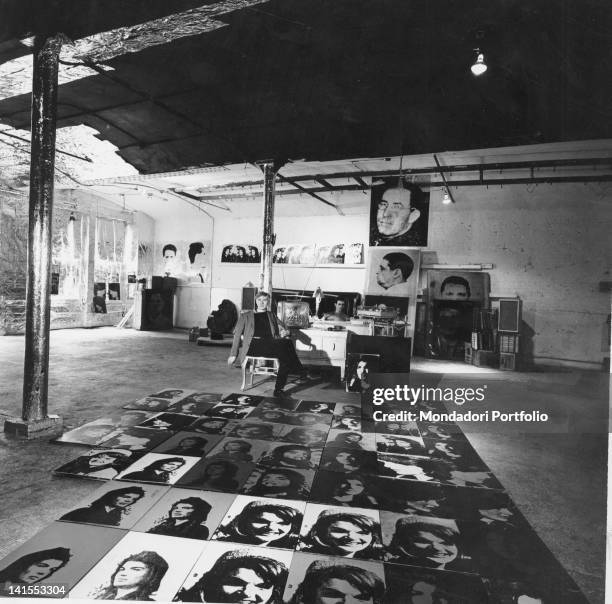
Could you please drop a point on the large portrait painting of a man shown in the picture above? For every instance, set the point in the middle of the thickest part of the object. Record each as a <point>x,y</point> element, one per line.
<point>393,272</point>
<point>452,298</point>
<point>399,214</point>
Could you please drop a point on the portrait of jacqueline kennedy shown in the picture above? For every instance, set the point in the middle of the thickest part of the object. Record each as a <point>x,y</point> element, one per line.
<point>262,522</point>
<point>142,566</point>
<point>334,580</point>
<point>232,574</point>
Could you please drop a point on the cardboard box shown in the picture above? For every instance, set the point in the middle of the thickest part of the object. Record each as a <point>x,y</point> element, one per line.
<point>484,358</point>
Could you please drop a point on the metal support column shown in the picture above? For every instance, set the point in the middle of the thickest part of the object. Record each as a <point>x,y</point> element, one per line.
<point>35,420</point>
<point>269,170</point>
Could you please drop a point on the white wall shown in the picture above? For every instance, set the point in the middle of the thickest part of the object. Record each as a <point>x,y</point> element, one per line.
<point>550,245</point>
<point>182,221</point>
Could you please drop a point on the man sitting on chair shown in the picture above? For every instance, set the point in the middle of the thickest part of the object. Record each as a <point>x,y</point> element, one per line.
<point>263,335</point>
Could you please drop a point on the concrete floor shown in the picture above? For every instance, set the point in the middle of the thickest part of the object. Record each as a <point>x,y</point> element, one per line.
<point>557,479</point>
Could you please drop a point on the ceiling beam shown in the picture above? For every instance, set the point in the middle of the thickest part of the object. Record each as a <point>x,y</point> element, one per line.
<point>358,175</point>
<point>310,192</point>
<point>428,185</point>
<point>325,184</point>
<point>279,192</point>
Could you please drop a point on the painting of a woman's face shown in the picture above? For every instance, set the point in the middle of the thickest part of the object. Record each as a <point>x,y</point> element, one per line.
<point>351,486</point>
<point>430,546</point>
<point>126,499</point>
<point>171,466</point>
<point>275,480</point>
<point>295,455</point>
<point>215,470</point>
<point>131,574</point>
<point>245,586</point>
<point>181,510</point>
<point>267,526</point>
<point>350,424</point>
<point>37,571</point>
<point>345,458</point>
<point>348,537</point>
<point>340,591</point>
<point>100,460</point>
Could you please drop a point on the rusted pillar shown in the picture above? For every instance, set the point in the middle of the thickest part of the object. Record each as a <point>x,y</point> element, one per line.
<point>269,171</point>
<point>34,418</point>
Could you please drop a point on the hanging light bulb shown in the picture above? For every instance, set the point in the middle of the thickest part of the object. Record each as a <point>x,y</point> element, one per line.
<point>448,197</point>
<point>479,67</point>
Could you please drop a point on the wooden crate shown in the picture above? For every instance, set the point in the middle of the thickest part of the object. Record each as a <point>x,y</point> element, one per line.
<point>484,358</point>
<point>508,343</point>
<point>507,361</point>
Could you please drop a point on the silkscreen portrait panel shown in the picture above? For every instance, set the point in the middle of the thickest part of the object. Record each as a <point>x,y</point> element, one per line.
<point>399,214</point>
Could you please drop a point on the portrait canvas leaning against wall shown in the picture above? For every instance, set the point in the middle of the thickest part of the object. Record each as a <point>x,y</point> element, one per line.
<point>453,298</point>
<point>393,272</point>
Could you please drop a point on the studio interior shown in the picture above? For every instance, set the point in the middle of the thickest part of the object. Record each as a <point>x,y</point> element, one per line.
<point>305,302</point>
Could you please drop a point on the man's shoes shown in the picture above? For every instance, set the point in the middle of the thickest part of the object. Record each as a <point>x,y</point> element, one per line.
<point>279,394</point>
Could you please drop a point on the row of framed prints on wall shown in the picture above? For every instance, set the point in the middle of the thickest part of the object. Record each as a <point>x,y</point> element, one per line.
<point>296,254</point>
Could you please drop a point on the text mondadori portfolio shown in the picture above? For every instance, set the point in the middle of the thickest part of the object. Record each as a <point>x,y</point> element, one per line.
<point>459,396</point>
<point>426,415</point>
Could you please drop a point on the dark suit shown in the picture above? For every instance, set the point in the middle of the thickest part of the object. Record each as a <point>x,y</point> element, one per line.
<point>276,347</point>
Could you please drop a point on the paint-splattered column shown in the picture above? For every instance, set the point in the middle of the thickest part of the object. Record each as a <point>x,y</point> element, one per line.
<point>34,415</point>
<point>269,171</point>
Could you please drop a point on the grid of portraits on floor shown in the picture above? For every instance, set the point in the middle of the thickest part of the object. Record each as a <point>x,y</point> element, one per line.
<point>246,499</point>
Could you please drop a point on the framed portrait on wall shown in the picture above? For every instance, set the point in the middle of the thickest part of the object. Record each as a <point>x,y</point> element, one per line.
<point>393,272</point>
<point>199,255</point>
<point>241,253</point>
<point>399,214</point>
<point>331,254</point>
<point>280,255</point>
<point>354,253</point>
<point>293,252</point>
